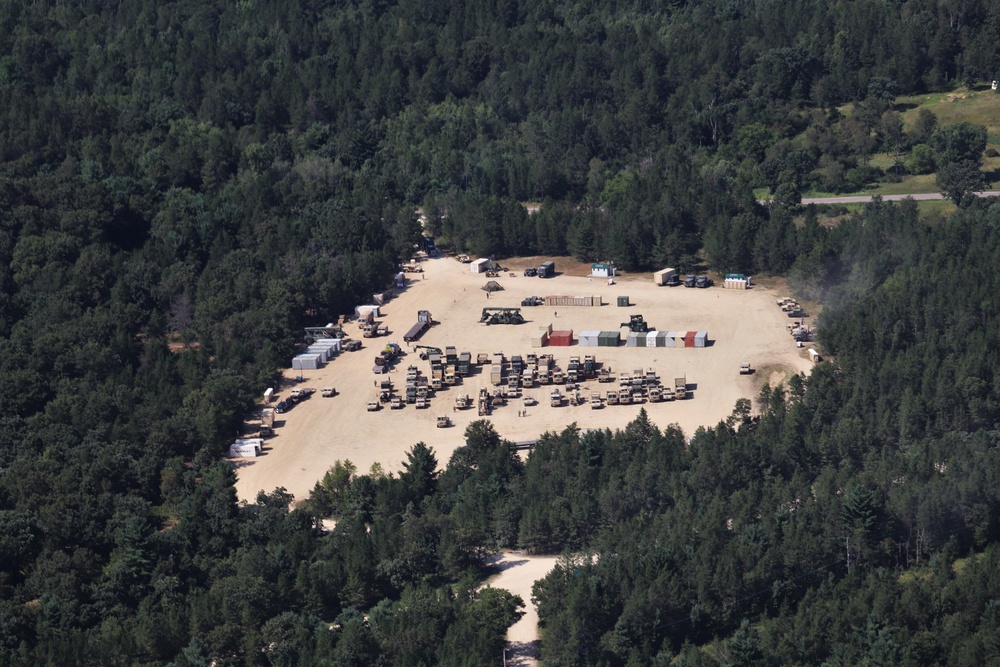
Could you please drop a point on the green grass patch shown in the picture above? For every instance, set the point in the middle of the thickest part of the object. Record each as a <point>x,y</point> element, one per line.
<point>962,105</point>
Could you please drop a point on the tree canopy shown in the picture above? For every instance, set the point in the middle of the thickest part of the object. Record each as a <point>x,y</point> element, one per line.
<point>185,185</point>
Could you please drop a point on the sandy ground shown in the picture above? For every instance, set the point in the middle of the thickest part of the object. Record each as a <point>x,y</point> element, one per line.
<point>517,574</point>
<point>741,326</point>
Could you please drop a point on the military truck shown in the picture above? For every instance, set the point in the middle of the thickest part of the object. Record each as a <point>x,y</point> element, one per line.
<point>636,323</point>
<point>555,398</point>
<point>680,387</point>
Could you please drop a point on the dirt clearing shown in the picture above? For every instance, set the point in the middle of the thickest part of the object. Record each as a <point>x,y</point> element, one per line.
<point>741,326</point>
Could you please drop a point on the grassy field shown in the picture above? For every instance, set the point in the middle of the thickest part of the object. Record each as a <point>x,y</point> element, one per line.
<point>979,105</point>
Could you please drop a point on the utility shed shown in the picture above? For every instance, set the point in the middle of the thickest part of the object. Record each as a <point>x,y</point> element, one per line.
<point>602,270</point>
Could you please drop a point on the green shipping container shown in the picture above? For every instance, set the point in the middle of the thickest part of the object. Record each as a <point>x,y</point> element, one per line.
<point>623,302</point>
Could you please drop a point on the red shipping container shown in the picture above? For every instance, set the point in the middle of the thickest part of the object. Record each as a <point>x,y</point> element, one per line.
<point>689,338</point>
<point>561,338</point>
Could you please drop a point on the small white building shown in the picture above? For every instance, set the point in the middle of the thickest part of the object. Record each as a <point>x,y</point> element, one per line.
<point>480,265</point>
<point>602,270</point>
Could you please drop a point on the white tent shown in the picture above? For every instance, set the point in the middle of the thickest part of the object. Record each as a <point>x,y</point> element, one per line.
<point>246,447</point>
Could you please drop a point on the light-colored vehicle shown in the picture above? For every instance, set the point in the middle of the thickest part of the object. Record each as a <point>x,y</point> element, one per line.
<point>443,422</point>
<point>373,406</point>
<point>327,392</point>
<point>745,368</point>
<point>556,398</point>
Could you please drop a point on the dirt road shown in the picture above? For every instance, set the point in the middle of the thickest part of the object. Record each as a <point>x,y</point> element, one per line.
<point>864,199</point>
<point>518,574</point>
<point>741,325</point>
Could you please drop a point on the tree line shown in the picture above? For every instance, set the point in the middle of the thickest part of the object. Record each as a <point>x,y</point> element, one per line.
<point>184,186</point>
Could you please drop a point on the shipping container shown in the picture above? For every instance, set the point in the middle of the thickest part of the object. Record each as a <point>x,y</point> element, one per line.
<point>634,337</point>
<point>306,362</point>
<point>323,353</point>
<point>540,339</point>
<point>561,338</point>
<point>689,339</point>
<point>609,339</point>
<point>334,344</point>
<point>623,302</point>
<point>701,339</point>
<point>362,312</point>
<point>547,269</point>
<point>589,338</point>
<point>571,301</point>
<point>664,339</point>
<point>651,338</point>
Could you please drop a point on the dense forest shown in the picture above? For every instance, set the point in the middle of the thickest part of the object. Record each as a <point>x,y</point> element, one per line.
<point>184,185</point>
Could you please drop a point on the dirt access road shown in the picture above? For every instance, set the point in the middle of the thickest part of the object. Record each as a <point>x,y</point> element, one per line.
<point>518,573</point>
<point>741,325</point>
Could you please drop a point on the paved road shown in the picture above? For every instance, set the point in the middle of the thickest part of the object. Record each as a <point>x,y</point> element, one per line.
<point>864,199</point>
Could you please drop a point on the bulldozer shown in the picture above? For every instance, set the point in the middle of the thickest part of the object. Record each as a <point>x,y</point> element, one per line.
<point>502,316</point>
<point>636,323</point>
